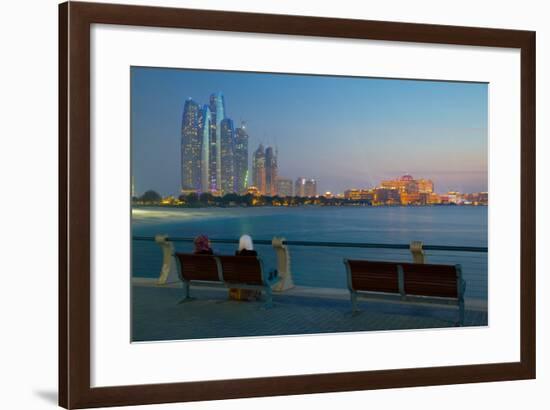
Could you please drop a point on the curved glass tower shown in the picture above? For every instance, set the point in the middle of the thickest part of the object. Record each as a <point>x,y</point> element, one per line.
<point>190,148</point>
<point>205,124</point>
<point>241,159</point>
<point>270,172</point>
<point>227,148</point>
<point>217,109</point>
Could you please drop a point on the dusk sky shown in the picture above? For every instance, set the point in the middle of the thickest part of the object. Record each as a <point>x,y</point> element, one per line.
<point>345,132</point>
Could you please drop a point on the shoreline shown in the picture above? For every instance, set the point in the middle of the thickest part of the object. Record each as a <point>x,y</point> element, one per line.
<point>138,206</point>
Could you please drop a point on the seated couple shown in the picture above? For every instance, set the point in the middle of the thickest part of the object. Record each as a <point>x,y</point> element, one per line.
<point>246,248</point>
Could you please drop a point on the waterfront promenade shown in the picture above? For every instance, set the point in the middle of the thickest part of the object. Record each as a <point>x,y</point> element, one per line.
<point>157,315</point>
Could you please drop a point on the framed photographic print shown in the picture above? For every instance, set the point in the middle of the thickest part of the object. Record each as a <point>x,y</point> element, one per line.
<point>258,205</point>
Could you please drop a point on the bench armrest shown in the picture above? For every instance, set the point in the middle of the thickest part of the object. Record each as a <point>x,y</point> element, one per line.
<point>273,281</point>
<point>462,287</point>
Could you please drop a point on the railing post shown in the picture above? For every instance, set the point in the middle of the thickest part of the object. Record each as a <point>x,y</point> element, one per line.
<point>417,252</point>
<point>283,265</point>
<point>168,271</point>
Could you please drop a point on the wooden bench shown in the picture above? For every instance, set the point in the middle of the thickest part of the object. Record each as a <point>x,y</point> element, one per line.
<point>241,272</point>
<point>412,282</point>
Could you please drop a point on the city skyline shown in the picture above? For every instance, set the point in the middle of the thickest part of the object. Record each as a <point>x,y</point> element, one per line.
<point>442,134</point>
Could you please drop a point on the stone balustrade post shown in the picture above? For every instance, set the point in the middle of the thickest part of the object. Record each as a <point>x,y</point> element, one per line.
<point>168,271</point>
<point>417,252</point>
<point>283,265</point>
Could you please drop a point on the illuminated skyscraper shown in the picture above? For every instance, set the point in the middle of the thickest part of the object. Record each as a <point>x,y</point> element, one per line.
<point>190,148</point>
<point>258,169</point>
<point>217,109</point>
<point>241,159</point>
<point>227,158</point>
<point>205,124</point>
<point>300,187</point>
<point>270,172</point>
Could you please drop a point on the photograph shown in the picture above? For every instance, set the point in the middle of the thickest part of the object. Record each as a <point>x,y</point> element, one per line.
<point>276,204</point>
<point>255,204</point>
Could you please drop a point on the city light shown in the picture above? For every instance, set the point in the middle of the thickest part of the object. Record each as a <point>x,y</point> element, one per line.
<point>215,160</point>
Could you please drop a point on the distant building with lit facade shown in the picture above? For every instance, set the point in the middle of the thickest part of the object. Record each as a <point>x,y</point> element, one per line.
<point>481,198</point>
<point>190,148</point>
<point>352,194</point>
<point>304,187</point>
<point>387,196</point>
<point>410,190</point>
<point>252,190</point>
<point>205,126</point>
<point>265,170</point>
<point>270,172</point>
<point>214,155</point>
<point>310,188</point>
<point>284,187</point>
<point>227,156</point>
<point>425,186</point>
<point>454,197</point>
<point>300,187</point>
<point>241,159</point>
<point>359,194</point>
<point>477,198</point>
<point>258,169</point>
<point>217,109</point>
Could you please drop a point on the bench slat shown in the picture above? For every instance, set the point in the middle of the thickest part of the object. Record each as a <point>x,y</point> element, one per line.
<point>241,269</point>
<point>406,281</point>
<point>198,267</point>
<point>419,279</point>
<point>374,276</point>
<point>430,280</point>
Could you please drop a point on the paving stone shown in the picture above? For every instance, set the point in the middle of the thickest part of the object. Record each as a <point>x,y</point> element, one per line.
<point>156,315</point>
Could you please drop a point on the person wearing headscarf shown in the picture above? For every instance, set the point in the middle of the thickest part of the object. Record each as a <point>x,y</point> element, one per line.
<point>246,247</point>
<point>202,245</point>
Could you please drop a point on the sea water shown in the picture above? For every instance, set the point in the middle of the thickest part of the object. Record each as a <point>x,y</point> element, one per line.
<point>322,266</point>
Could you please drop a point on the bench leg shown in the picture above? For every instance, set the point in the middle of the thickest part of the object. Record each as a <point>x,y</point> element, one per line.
<point>354,307</point>
<point>186,296</point>
<point>268,298</point>
<point>461,312</point>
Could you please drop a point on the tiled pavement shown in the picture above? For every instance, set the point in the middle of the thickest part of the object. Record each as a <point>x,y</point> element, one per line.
<point>158,316</point>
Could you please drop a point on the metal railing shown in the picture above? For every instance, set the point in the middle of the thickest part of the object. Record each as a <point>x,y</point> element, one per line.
<point>476,249</point>
<point>319,267</point>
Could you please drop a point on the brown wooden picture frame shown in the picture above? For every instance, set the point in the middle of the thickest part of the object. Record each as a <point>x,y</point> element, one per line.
<point>75,20</point>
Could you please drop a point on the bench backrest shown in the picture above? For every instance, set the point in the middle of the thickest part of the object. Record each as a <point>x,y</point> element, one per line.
<point>198,267</point>
<point>373,276</point>
<point>430,280</point>
<point>242,269</point>
<point>404,278</point>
